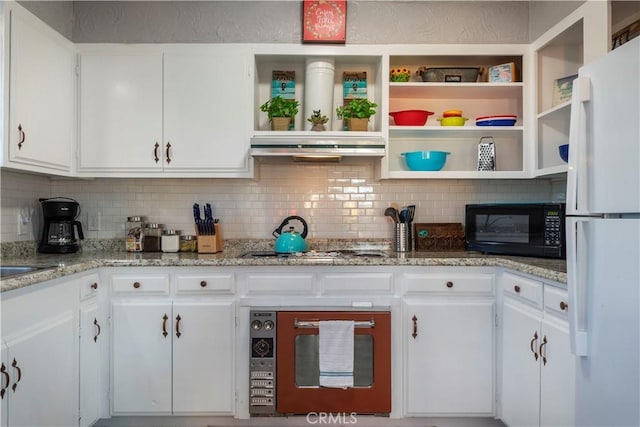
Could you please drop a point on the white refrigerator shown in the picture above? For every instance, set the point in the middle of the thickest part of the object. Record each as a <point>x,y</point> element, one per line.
<point>603,238</point>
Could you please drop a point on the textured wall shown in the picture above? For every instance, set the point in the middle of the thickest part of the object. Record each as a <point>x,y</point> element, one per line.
<point>545,14</point>
<point>338,200</point>
<point>280,21</point>
<point>58,14</point>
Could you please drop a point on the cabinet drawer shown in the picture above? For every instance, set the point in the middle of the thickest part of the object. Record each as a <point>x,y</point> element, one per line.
<point>270,284</point>
<point>523,289</point>
<point>367,283</point>
<point>448,283</point>
<point>89,287</point>
<point>205,283</point>
<point>141,283</point>
<point>556,302</point>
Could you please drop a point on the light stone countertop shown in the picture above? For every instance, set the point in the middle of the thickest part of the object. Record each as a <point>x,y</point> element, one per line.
<point>549,269</point>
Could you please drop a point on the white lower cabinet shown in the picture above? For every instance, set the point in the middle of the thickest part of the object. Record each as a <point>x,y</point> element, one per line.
<point>39,357</point>
<point>93,351</point>
<point>537,364</point>
<point>448,337</point>
<point>173,354</point>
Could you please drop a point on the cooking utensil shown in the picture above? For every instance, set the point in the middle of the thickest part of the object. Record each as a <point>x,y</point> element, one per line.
<point>392,213</point>
<point>504,120</point>
<point>452,121</point>
<point>452,113</point>
<point>411,117</point>
<point>425,160</point>
<point>564,152</point>
<point>290,241</point>
<point>486,154</point>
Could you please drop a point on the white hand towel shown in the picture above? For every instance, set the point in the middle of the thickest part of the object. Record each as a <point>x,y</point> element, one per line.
<point>336,353</point>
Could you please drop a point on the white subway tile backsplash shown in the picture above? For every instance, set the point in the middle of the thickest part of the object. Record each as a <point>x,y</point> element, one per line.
<point>342,200</point>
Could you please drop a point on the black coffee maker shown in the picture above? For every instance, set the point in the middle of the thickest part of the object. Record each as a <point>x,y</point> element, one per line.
<point>60,226</point>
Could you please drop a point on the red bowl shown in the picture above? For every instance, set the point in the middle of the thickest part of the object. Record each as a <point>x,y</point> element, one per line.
<point>411,117</point>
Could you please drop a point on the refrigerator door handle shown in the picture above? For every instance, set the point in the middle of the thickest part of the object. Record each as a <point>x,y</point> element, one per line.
<point>577,165</point>
<point>576,284</point>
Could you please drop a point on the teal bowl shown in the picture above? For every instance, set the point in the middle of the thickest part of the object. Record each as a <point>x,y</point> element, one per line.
<point>425,160</point>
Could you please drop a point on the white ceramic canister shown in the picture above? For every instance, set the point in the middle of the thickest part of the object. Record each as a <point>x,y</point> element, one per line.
<point>170,241</point>
<point>318,88</point>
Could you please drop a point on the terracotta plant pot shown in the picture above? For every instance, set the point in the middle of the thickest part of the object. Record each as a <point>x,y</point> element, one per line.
<point>280,123</point>
<point>356,124</point>
<point>318,127</point>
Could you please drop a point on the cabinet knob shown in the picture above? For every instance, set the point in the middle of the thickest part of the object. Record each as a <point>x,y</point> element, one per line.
<point>449,284</point>
<point>136,285</point>
<point>203,284</point>
<point>94,286</point>
<point>517,289</point>
<point>563,305</point>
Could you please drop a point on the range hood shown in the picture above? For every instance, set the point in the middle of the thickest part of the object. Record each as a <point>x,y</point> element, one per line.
<point>306,146</point>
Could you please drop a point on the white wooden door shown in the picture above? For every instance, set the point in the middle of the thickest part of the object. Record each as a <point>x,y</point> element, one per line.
<point>207,111</point>
<point>521,338</point>
<point>141,357</point>
<point>450,361</point>
<point>120,112</point>
<point>203,357</point>
<point>41,110</point>
<point>557,376</point>
<point>44,388</point>
<point>91,337</point>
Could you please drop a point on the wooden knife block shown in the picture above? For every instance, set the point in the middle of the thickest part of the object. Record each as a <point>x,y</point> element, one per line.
<point>210,244</point>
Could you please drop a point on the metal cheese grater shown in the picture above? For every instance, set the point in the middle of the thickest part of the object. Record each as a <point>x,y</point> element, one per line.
<point>486,154</point>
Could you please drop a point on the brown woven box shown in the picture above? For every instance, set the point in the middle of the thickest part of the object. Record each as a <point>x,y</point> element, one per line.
<point>442,236</point>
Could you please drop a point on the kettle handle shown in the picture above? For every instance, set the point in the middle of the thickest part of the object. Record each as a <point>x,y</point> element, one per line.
<point>278,230</point>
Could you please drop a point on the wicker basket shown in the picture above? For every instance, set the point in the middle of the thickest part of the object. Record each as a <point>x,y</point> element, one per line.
<point>446,236</point>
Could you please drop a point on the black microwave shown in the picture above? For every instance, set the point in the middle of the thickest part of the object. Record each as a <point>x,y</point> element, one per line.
<point>524,229</point>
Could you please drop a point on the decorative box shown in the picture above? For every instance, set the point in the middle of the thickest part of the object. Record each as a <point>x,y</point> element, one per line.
<point>445,236</point>
<point>562,89</point>
<point>503,73</point>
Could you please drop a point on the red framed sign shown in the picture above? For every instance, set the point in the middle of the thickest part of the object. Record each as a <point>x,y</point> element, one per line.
<point>324,21</point>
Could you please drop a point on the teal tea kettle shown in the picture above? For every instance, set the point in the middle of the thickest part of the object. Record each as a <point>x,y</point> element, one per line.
<point>290,241</point>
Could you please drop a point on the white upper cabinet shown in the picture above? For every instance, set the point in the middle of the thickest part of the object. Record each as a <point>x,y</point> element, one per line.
<point>120,112</point>
<point>39,68</point>
<point>164,109</point>
<point>578,39</point>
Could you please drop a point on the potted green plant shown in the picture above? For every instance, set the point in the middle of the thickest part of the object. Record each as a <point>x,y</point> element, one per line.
<point>280,112</point>
<point>318,120</point>
<point>357,113</point>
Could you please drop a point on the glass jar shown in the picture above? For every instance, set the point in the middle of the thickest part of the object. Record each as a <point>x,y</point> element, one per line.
<point>152,234</point>
<point>188,243</point>
<point>170,241</point>
<point>135,234</point>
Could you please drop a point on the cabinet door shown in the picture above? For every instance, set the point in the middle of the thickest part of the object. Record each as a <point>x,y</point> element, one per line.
<point>557,376</point>
<point>521,338</point>
<point>42,371</point>
<point>91,337</point>
<point>141,357</point>
<point>41,110</point>
<point>120,112</point>
<point>5,379</point>
<point>207,107</point>
<point>203,357</point>
<point>450,360</point>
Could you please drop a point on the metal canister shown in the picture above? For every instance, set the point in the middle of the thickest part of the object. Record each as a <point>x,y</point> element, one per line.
<point>152,235</point>
<point>135,233</point>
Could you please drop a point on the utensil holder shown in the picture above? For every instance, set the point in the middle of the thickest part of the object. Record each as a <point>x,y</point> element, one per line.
<point>402,237</point>
<point>210,244</point>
